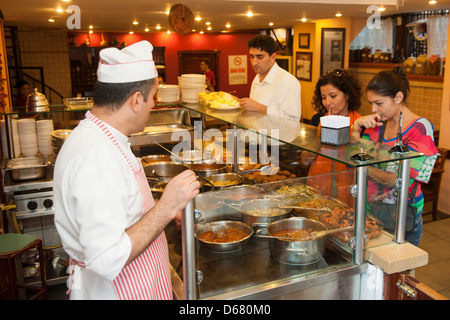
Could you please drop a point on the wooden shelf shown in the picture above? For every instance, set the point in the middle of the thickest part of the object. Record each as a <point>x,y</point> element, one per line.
<point>411,77</point>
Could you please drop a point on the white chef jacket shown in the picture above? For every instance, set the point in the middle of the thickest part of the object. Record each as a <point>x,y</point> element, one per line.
<point>279,92</point>
<point>101,199</point>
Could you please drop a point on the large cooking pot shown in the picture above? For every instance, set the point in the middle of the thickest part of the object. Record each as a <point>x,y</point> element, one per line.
<point>261,212</point>
<point>225,246</point>
<point>164,169</point>
<point>299,252</point>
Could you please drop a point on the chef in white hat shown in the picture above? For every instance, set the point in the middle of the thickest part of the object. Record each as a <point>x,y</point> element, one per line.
<point>105,214</point>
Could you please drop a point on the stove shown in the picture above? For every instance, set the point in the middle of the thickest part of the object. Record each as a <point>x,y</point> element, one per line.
<point>32,198</point>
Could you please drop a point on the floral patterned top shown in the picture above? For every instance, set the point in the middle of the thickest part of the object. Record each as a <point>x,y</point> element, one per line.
<point>417,137</point>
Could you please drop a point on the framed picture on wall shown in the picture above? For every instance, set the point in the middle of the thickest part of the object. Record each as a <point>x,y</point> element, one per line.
<point>303,40</point>
<point>303,66</point>
<point>332,49</point>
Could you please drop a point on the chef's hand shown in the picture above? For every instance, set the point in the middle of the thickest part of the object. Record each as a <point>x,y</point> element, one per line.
<point>180,191</point>
<point>252,105</point>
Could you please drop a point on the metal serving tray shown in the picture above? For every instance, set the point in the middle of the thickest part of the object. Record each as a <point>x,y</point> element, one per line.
<point>160,126</point>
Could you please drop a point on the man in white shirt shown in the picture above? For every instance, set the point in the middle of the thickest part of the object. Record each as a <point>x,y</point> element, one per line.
<point>274,91</point>
<point>105,214</point>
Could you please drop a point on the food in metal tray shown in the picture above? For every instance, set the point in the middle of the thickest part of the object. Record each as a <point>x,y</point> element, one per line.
<point>295,234</point>
<point>266,212</point>
<point>295,189</point>
<point>232,234</point>
<point>223,183</point>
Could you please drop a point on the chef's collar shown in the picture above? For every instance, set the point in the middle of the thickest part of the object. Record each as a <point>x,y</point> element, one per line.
<point>131,64</point>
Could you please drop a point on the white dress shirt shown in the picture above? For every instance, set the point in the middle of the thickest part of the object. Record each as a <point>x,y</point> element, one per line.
<point>279,92</point>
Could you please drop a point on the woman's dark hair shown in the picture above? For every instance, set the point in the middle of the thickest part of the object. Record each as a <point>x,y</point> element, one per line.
<point>389,83</point>
<point>263,43</point>
<point>114,95</point>
<point>344,81</point>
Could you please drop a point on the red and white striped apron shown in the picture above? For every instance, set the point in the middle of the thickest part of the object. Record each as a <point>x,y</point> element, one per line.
<point>148,276</point>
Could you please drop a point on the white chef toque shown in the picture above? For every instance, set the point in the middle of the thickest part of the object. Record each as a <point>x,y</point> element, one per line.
<point>131,64</point>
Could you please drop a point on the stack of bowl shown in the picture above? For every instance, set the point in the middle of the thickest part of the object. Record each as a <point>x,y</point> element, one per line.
<point>44,130</point>
<point>28,137</point>
<point>58,138</point>
<point>15,136</point>
<point>168,93</point>
<point>191,86</point>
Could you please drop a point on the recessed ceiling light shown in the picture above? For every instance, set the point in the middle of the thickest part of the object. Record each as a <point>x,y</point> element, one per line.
<point>209,28</point>
<point>146,29</point>
<point>270,23</point>
<point>249,14</point>
<point>381,9</point>
<point>228,25</point>
<point>338,14</point>
<point>66,0</point>
<point>135,22</point>
<point>167,12</point>
<point>432,2</point>
<point>59,10</point>
<point>201,32</point>
<point>91,26</point>
<point>304,20</point>
<point>158,27</point>
<point>207,23</point>
<point>91,31</point>
<point>168,31</point>
<point>51,20</point>
<point>131,32</point>
<point>198,19</point>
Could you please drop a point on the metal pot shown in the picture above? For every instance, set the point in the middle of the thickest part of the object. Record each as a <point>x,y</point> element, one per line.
<point>263,220</point>
<point>164,169</point>
<point>28,168</point>
<point>155,158</point>
<point>204,170</point>
<point>225,246</point>
<point>241,194</point>
<point>296,252</point>
<point>37,102</point>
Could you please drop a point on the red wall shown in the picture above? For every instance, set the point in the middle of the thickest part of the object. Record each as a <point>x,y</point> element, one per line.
<point>227,44</point>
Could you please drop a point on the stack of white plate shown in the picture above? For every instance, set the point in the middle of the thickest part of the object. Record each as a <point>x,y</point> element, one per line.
<point>15,136</point>
<point>168,93</point>
<point>28,137</point>
<point>44,130</point>
<point>191,86</point>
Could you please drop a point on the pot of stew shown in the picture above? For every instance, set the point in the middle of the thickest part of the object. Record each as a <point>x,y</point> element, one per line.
<point>302,250</point>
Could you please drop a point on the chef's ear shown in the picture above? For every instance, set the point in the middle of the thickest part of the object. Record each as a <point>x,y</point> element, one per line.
<point>135,100</point>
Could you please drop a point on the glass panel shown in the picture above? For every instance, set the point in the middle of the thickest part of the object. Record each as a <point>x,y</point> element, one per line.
<point>303,136</point>
<point>256,260</point>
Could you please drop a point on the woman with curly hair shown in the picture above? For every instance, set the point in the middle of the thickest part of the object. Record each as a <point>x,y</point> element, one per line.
<point>337,92</point>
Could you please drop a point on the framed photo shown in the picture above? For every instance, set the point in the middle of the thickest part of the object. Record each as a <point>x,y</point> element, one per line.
<point>303,66</point>
<point>332,49</point>
<point>303,40</point>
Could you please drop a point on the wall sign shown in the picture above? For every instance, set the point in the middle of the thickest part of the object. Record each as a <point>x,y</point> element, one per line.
<point>332,49</point>
<point>237,69</point>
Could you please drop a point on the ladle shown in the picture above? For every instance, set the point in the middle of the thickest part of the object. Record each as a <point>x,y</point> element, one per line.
<point>313,234</point>
<point>306,208</point>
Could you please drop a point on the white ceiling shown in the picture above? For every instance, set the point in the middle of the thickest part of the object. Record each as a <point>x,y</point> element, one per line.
<point>118,15</point>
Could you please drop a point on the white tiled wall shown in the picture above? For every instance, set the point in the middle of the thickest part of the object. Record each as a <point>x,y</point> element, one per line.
<point>425,98</point>
<point>47,48</point>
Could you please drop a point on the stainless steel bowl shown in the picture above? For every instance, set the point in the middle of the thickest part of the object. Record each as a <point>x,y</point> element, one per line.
<point>225,246</point>
<point>28,168</point>
<point>204,170</point>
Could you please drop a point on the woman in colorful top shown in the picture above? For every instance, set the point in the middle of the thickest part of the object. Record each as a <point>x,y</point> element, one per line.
<point>337,92</point>
<point>387,92</point>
